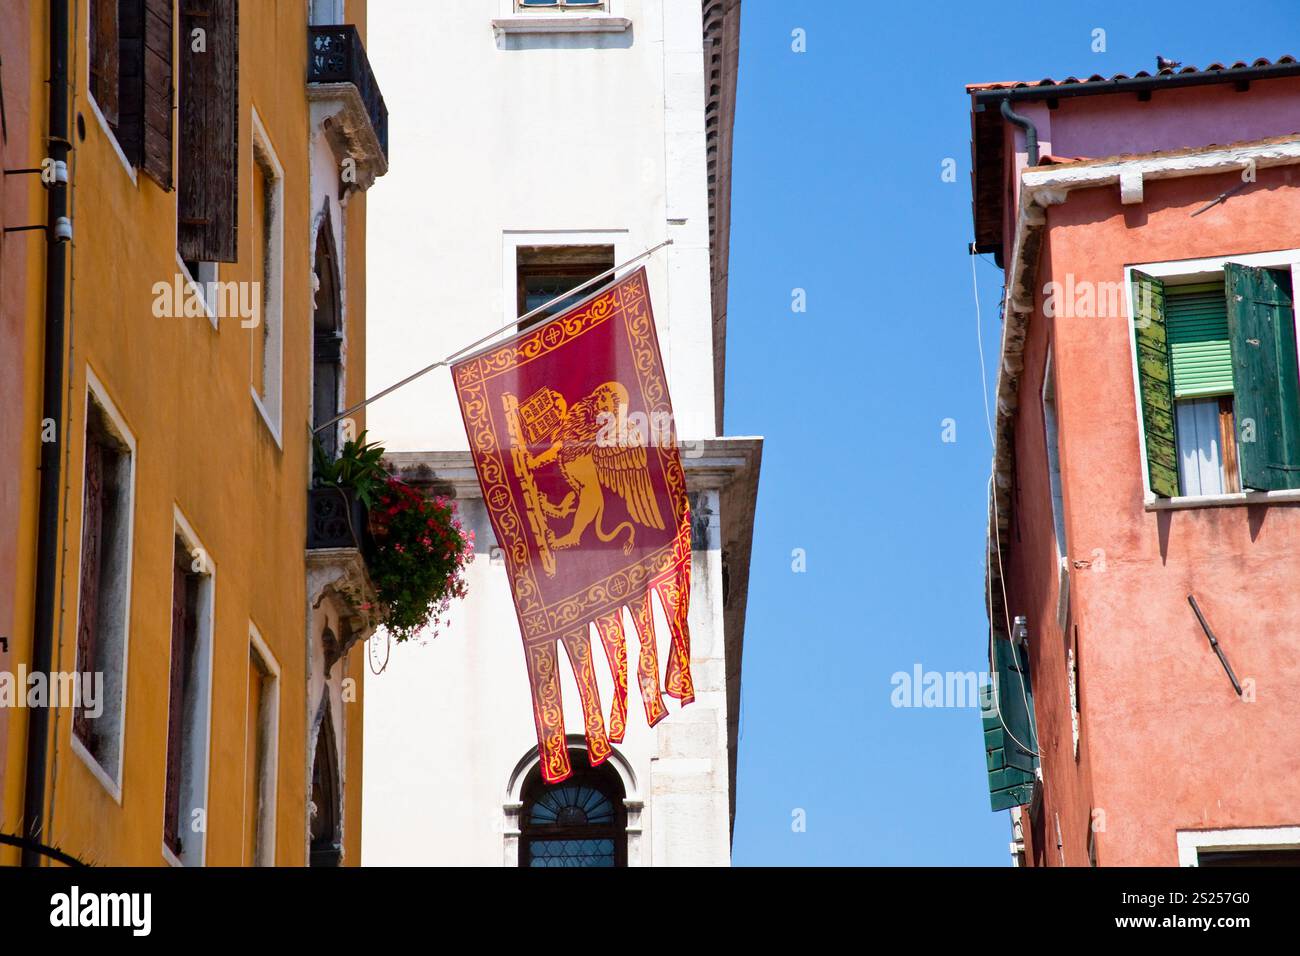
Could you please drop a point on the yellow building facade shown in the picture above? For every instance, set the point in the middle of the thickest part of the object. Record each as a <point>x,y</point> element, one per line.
<point>214,315</point>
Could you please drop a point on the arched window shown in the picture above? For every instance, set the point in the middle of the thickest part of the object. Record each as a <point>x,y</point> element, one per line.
<point>327,340</point>
<point>326,849</point>
<point>580,822</point>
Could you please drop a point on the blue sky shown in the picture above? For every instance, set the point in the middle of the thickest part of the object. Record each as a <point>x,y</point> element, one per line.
<point>837,191</point>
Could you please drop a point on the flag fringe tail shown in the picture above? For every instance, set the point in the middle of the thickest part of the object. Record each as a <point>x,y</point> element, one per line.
<point>548,711</point>
<point>610,628</point>
<point>675,595</point>
<point>647,668</point>
<point>543,675</point>
<point>577,643</point>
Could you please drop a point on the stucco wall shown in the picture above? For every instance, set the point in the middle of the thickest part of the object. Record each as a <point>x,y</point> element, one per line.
<point>537,138</point>
<point>183,390</point>
<point>21,298</point>
<point>1170,744</point>
<point>1099,126</point>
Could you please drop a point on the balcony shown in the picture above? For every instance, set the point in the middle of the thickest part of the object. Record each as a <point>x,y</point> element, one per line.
<point>338,545</point>
<point>346,104</point>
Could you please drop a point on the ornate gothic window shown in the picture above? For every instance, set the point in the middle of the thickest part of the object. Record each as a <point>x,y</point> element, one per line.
<point>326,807</point>
<point>580,822</point>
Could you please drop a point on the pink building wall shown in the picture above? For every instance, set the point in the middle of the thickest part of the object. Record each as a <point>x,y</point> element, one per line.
<point>1166,744</point>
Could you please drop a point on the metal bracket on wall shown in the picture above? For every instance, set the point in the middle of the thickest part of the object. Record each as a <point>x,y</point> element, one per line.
<point>1214,644</point>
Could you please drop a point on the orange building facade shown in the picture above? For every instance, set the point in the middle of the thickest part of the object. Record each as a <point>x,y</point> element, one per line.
<point>213,316</point>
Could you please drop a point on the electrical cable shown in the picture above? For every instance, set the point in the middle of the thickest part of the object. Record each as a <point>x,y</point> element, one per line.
<point>984,387</point>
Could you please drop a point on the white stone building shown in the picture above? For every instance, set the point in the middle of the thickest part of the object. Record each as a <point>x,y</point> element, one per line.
<point>541,143</point>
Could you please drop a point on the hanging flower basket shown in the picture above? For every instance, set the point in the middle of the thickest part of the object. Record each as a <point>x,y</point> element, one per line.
<point>420,553</point>
<point>415,546</point>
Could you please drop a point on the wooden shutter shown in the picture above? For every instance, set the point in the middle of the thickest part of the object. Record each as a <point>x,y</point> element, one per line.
<point>104,57</point>
<point>1199,353</point>
<point>208,159</point>
<point>176,702</point>
<point>1261,324</point>
<point>156,132</point>
<point>1155,383</point>
<point>92,524</point>
<point>130,87</point>
<point>1010,737</point>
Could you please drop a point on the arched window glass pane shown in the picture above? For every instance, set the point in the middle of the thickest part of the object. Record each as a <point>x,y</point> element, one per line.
<point>572,806</point>
<point>580,822</point>
<point>547,853</point>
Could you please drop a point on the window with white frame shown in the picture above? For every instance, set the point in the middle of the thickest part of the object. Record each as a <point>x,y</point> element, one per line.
<point>202,277</point>
<point>104,589</point>
<point>544,273</point>
<point>1052,441</point>
<point>189,699</point>
<point>133,104</point>
<point>1072,674</point>
<point>1051,430</point>
<point>1247,846</point>
<point>1217,375</point>
<point>261,752</point>
<point>266,331</point>
<point>560,4</point>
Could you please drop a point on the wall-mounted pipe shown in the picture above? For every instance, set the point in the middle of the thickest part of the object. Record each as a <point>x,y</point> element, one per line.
<point>1025,123</point>
<point>47,520</point>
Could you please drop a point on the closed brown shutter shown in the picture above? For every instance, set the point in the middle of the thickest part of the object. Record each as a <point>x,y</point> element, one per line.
<point>130,88</point>
<point>176,704</point>
<point>208,174</point>
<point>104,57</point>
<point>92,523</point>
<point>156,151</point>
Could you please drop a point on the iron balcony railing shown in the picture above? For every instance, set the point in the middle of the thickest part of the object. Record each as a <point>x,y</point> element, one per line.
<point>335,54</point>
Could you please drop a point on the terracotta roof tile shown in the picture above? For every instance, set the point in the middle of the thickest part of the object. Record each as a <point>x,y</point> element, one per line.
<point>1098,78</point>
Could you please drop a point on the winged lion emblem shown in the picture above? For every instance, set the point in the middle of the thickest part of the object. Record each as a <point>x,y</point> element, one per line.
<point>575,438</point>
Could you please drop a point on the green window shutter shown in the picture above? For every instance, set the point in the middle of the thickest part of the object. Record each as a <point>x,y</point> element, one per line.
<point>1261,325</point>
<point>1009,750</point>
<point>1155,383</point>
<point>1196,319</point>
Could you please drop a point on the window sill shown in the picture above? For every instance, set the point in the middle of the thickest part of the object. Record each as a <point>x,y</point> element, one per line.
<point>192,283</point>
<point>271,426</point>
<point>112,138</point>
<point>561,23</point>
<point>1063,592</point>
<point>97,770</point>
<point>1220,501</point>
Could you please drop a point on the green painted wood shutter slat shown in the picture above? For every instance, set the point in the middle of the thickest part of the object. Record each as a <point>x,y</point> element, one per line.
<point>1011,766</point>
<point>1261,326</point>
<point>1196,319</point>
<point>1155,383</point>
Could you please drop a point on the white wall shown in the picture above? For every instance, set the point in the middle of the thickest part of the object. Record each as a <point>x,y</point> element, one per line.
<point>491,136</point>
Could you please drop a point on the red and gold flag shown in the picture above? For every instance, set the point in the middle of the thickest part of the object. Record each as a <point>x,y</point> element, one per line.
<point>571,430</point>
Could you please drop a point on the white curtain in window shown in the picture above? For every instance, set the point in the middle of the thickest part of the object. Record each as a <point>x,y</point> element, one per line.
<point>1200,469</point>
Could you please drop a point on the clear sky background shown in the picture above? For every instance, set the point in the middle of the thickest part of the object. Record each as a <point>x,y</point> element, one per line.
<point>837,191</point>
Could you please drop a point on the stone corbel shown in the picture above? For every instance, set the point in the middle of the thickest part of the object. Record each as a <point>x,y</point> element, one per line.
<point>339,575</point>
<point>341,116</point>
<point>1130,187</point>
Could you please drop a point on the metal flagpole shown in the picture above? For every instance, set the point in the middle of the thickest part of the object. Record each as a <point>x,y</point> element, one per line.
<point>514,323</point>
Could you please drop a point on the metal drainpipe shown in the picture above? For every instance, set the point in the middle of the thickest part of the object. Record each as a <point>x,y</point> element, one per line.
<point>1025,123</point>
<point>58,233</point>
